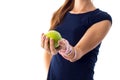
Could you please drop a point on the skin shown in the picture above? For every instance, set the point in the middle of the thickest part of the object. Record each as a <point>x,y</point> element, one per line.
<point>87,42</point>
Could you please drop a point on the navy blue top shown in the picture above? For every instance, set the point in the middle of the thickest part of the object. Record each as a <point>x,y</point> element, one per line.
<point>72,28</point>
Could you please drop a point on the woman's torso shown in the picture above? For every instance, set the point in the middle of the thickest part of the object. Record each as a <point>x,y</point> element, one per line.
<point>73,28</point>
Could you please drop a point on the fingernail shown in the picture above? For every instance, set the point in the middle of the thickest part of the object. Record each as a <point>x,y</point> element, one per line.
<point>42,33</point>
<point>51,39</point>
<point>46,37</point>
<point>59,42</point>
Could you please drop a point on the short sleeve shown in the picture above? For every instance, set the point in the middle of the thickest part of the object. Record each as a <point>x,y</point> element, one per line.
<point>100,16</point>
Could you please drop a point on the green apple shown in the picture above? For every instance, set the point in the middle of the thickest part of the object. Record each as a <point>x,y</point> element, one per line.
<point>55,35</point>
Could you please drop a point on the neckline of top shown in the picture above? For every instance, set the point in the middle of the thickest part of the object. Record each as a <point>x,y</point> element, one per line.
<point>84,12</point>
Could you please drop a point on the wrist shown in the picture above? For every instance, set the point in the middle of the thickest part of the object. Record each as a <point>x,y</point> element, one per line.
<point>74,58</point>
<point>72,55</point>
<point>69,50</point>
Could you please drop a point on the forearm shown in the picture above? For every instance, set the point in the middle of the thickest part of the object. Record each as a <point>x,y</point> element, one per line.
<point>84,48</point>
<point>91,38</point>
<point>78,52</point>
<point>74,54</point>
<point>47,59</point>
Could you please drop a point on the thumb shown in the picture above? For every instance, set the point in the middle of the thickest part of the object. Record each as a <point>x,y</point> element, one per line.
<point>62,43</point>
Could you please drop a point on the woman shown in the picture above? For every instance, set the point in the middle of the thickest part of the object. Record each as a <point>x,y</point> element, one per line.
<point>83,27</point>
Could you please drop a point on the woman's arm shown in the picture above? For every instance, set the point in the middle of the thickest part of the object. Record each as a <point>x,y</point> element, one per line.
<point>47,59</point>
<point>47,54</point>
<point>94,35</point>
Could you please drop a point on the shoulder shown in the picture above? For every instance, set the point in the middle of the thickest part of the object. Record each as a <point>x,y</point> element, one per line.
<point>99,15</point>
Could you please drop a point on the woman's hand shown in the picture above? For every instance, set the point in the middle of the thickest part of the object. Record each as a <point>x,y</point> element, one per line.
<point>48,44</point>
<point>64,49</point>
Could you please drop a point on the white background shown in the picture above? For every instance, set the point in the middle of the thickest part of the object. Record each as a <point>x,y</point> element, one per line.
<point>21,25</point>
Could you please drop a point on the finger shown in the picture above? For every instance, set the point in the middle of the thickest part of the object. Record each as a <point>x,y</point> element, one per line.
<point>52,48</point>
<point>64,56</point>
<point>42,40</point>
<point>42,35</point>
<point>46,44</point>
<point>58,48</point>
<point>62,44</point>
